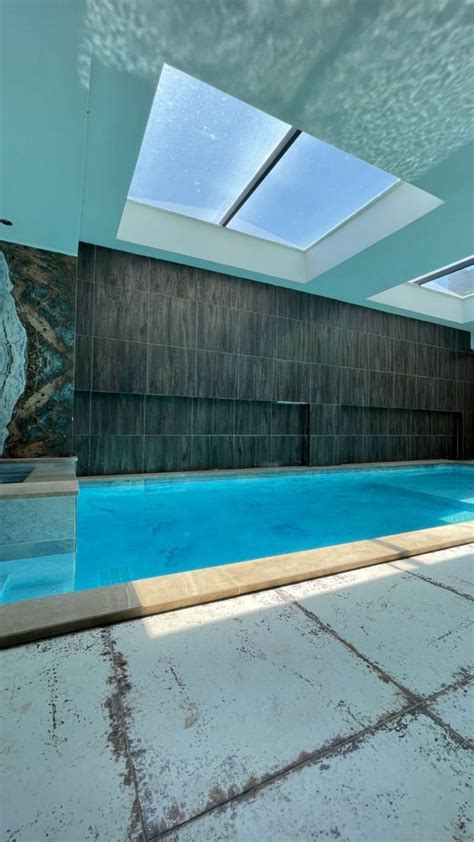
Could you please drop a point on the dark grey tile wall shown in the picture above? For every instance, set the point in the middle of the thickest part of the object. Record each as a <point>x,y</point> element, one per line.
<point>122,433</point>
<point>180,368</point>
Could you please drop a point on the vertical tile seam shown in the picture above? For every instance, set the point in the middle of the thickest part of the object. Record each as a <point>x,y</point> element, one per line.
<point>194,389</point>
<point>110,643</point>
<point>148,298</point>
<point>91,361</point>
<point>74,362</point>
<point>239,328</point>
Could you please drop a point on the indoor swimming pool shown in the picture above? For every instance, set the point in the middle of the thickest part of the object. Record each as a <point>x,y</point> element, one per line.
<point>129,529</point>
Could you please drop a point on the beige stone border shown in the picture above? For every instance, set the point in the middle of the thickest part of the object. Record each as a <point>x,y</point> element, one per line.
<point>36,619</point>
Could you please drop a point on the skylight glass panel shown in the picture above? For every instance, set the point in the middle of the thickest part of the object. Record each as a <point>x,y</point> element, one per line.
<point>459,283</point>
<point>201,148</point>
<point>310,191</point>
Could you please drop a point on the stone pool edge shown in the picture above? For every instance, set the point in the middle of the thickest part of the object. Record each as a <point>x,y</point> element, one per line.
<point>37,619</point>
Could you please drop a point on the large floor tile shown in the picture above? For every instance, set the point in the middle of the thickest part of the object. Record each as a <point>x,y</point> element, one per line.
<point>64,772</point>
<point>218,697</point>
<point>408,781</point>
<point>456,708</point>
<point>453,568</point>
<point>420,634</point>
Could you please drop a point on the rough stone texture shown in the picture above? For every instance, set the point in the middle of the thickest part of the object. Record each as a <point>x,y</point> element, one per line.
<point>271,716</point>
<point>43,288</point>
<point>12,352</point>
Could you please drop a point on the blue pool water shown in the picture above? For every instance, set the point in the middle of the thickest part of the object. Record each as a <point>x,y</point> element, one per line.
<point>136,529</point>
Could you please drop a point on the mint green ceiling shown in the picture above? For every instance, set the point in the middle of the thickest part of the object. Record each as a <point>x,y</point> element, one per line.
<point>390,82</point>
<point>43,110</point>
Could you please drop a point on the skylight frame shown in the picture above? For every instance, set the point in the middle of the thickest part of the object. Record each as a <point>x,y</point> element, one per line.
<point>424,280</point>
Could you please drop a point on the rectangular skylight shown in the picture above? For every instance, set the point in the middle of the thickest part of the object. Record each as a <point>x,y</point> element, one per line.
<point>201,148</point>
<point>210,156</point>
<point>456,280</point>
<point>312,189</point>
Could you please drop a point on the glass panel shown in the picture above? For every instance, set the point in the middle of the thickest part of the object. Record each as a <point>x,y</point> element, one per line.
<point>312,189</point>
<point>201,147</point>
<point>459,283</point>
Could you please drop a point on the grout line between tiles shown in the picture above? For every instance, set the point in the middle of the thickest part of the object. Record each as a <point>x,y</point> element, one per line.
<point>413,698</point>
<point>438,720</point>
<point>430,581</point>
<point>308,758</point>
<point>387,371</point>
<point>238,355</point>
<point>147,364</point>
<point>107,636</point>
<point>194,397</point>
<point>91,364</point>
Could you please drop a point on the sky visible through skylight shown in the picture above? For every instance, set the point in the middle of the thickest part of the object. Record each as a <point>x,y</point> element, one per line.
<point>459,283</point>
<point>202,149</point>
<point>311,190</point>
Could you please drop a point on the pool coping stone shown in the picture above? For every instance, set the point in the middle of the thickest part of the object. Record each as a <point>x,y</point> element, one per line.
<point>37,619</point>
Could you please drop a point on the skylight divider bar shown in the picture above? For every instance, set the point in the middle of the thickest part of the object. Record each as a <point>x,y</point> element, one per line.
<point>282,147</point>
<point>442,273</point>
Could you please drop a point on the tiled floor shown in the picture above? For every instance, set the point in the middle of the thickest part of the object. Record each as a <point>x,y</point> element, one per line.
<point>338,708</point>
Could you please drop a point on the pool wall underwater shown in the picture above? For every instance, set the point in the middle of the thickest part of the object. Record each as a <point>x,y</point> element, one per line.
<point>196,538</point>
